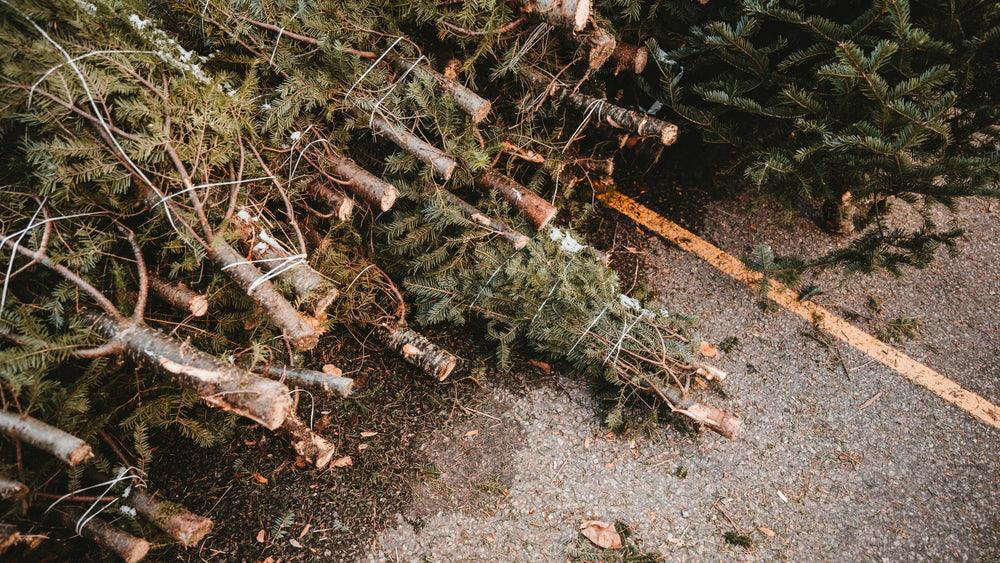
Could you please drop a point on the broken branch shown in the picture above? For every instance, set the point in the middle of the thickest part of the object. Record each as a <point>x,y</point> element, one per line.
<point>63,446</point>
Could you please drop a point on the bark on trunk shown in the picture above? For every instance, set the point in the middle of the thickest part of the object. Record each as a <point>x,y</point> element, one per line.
<point>11,489</point>
<point>515,238</point>
<point>63,446</point>
<point>560,13</point>
<point>310,379</point>
<point>442,163</point>
<point>314,292</point>
<point>470,102</point>
<point>373,190</point>
<point>311,446</point>
<point>340,203</point>
<point>262,400</point>
<point>123,544</point>
<point>538,211</point>
<point>621,118</point>
<point>299,332</point>
<point>630,58</point>
<point>604,166</point>
<point>178,295</point>
<point>9,535</point>
<point>172,518</point>
<point>602,47</point>
<point>419,351</point>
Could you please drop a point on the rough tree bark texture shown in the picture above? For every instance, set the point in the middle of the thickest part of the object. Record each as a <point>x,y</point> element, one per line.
<point>442,163</point>
<point>560,13</point>
<point>178,295</point>
<point>171,517</point>
<point>538,211</point>
<point>314,292</point>
<point>9,535</point>
<point>310,379</point>
<point>297,330</point>
<point>630,58</point>
<point>419,351</point>
<point>373,190</point>
<point>311,446</point>
<point>63,446</point>
<point>604,166</point>
<point>621,118</point>
<point>516,239</point>
<point>264,401</point>
<point>470,102</point>
<point>340,203</point>
<point>602,47</point>
<point>11,489</point>
<point>123,544</point>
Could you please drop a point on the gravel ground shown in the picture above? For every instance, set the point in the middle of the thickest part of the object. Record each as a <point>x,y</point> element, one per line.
<point>841,458</point>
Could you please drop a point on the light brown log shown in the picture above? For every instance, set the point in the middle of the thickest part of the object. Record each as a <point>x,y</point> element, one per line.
<point>173,518</point>
<point>311,446</point>
<point>602,47</point>
<point>310,379</point>
<point>11,489</point>
<point>417,350</point>
<point>633,121</point>
<point>314,292</point>
<point>130,548</point>
<point>63,446</point>
<point>604,166</point>
<point>516,239</point>
<point>373,190</point>
<point>339,202</point>
<point>262,400</point>
<point>572,14</point>
<point>9,535</point>
<point>178,295</point>
<point>440,162</point>
<point>299,332</point>
<point>630,58</point>
<point>470,102</point>
<point>538,211</point>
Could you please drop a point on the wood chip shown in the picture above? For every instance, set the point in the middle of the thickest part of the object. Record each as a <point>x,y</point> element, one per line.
<point>345,461</point>
<point>368,434</point>
<point>333,370</point>
<point>471,433</point>
<point>260,478</point>
<point>261,536</point>
<point>708,350</point>
<point>766,531</point>
<point>546,368</point>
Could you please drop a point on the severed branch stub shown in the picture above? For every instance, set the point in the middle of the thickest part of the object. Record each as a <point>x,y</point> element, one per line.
<point>516,239</point>
<point>469,101</point>
<point>341,205</point>
<point>308,378</point>
<point>417,350</point>
<point>635,122</point>
<point>123,544</point>
<point>262,400</point>
<point>178,295</point>
<point>173,518</point>
<point>538,211</point>
<point>63,446</point>
<point>311,446</point>
<point>572,14</point>
<point>630,58</point>
<point>373,190</point>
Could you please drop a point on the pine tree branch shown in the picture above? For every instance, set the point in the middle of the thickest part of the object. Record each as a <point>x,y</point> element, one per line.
<point>189,186</point>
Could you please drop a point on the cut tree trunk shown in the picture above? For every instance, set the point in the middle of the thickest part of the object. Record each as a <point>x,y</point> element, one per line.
<point>370,188</point>
<point>633,121</point>
<point>178,295</point>
<point>63,446</point>
<point>314,292</point>
<point>173,518</point>
<point>341,205</point>
<point>112,538</point>
<point>602,47</point>
<point>571,14</point>
<point>310,379</point>
<point>299,332</point>
<point>262,400</point>
<point>630,58</point>
<point>470,102</point>
<point>440,162</point>
<point>311,446</point>
<point>9,535</point>
<point>538,211</point>
<point>516,239</point>
<point>11,489</point>
<point>417,350</point>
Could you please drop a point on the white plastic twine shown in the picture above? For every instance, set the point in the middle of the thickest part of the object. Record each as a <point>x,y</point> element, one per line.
<point>363,75</point>
<point>280,33</point>
<point>393,87</point>
<point>312,406</point>
<point>590,326</point>
<point>87,516</point>
<point>595,105</point>
<point>617,347</point>
<point>493,275</point>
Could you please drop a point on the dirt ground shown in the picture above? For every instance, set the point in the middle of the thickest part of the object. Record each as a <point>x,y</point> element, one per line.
<point>839,459</point>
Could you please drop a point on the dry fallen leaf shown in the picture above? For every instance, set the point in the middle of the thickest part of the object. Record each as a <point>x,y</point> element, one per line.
<point>766,531</point>
<point>260,478</point>
<point>333,370</point>
<point>362,447</point>
<point>294,543</point>
<point>345,461</point>
<point>603,534</point>
<point>410,350</point>
<point>368,434</point>
<point>708,350</point>
<point>305,530</point>
<point>546,368</point>
<point>471,433</point>
<point>261,536</point>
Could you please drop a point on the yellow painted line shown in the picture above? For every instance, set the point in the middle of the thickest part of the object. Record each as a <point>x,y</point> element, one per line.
<point>906,366</point>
